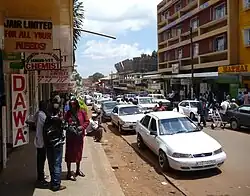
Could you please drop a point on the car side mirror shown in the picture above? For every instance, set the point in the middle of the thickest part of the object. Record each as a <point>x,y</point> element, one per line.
<point>153,133</point>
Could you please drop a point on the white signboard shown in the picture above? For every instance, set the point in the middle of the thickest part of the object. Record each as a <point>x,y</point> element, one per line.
<point>20,109</point>
<point>64,87</point>
<point>55,76</point>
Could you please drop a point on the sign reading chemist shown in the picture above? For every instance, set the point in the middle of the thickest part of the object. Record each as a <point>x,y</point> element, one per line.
<point>22,35</point>
<point>43,61</point>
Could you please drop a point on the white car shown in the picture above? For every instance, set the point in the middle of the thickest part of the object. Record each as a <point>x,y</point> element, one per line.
<point>97,104</point>
<point>88,100</point>
<point>189,108</point>
<point>178,142</point>
<point>126,116</point>
<point>145,103</point>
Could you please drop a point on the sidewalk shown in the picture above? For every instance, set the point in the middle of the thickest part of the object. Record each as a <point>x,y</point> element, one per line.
<point>19,177</point>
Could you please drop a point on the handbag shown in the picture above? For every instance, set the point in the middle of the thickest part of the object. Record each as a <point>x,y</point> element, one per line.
<point>73,128</point>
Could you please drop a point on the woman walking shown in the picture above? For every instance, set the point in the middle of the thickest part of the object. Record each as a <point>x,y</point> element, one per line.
<point>78,121</point>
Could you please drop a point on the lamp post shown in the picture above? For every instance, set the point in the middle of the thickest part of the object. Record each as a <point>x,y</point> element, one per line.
<point>192,63</point>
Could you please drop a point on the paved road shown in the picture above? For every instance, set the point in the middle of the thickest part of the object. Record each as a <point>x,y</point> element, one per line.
<point>233,178</point>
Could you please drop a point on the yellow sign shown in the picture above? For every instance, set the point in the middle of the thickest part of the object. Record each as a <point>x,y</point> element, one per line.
<point>22,35</point>
<point>234,69</point>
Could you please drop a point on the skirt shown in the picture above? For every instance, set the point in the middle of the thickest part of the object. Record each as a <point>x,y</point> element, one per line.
<point>74,148</point>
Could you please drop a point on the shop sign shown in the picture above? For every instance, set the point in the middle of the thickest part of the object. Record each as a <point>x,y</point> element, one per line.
<point>234,69</point>
<point>43,61</point>
<point>21,35</point>
<point>55,76</point>
<point>64,87</point>
<point>12,56</point>
<point>175,68</point>
<point>19,109</point>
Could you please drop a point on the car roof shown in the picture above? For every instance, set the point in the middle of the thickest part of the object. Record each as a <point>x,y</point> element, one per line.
<point>109,102</point>
<point>166,115</point>
<point>189,101</point>
<point>138,97</point>
<point>126,105</point>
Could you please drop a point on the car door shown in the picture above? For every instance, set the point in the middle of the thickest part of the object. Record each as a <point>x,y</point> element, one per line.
<point>144,128</point>
<point>243,115</point>
<point>153,138</point>
<point>182,107</point>
<point>114,115</point>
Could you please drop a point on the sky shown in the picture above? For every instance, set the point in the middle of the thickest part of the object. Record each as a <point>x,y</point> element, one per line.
<point>132,22</point>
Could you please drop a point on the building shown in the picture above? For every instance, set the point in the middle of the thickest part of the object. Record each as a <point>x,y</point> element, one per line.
<point>36,40</point>
<point>198,33</point>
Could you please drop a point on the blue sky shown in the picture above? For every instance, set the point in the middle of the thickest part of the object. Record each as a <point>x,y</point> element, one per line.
<point>132,22</point>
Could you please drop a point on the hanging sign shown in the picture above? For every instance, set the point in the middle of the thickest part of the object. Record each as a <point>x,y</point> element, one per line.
<point>43,61</point>
<point>234,69</point>
<point>56,76</point>
<point>64,87</point>
<point>19,109</point>
<point>21,35</point>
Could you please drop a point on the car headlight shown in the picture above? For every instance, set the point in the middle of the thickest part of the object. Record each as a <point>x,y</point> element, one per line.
<point>181,155</point>
<point>218,151</point>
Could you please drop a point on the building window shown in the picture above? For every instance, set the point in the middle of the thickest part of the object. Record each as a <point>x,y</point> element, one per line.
<point>219,11</point>
<point>220,43</point>
<point>178,54</point>
<point>165,56</point>
<point>196,49</point>
<point>177,7</point>
<point>246,4</point>
<point>194,23</point>
<point>247,37</point>
<point>167,14</point>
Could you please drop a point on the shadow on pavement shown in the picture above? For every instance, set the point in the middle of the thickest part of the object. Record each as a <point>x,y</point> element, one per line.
<point>149,157</point>
<point>114,130</point>
<point>19,178</point>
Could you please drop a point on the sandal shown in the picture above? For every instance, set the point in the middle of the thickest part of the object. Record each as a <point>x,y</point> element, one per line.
<point>80,173</point>
<point>71,176</point>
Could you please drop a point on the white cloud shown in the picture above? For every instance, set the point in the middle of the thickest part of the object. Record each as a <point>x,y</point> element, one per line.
<point>119,16</point>
<point>110,50</point>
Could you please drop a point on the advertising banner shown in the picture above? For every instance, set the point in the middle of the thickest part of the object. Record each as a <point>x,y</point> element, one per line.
<point>64,87</point>
<point>20,111</point>
<point>22,35</point>
<point>43,61</point>
<point>234,69</point>
<point>56,76</point>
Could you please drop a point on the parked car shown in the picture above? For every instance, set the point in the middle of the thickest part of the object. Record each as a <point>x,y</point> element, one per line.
<point>88,100</point>
<point>178,142</point>
<point>125,117</point>
<point>189,108</point>
<point>97,104</point>
<point>106,109</point>
<point>239,117</point>
<point>145,103</point>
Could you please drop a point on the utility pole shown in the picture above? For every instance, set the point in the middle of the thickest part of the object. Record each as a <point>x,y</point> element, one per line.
<point>192,63</point>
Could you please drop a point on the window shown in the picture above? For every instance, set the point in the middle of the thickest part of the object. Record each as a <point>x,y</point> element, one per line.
<point>153,126</point>
<point>219,43</point>
<point>246,4</point>
<point>247,37</point>
<point>219,11</point>
<point>196,49</point>
<point>184,104</point>
<point>167,14</point>
<point>194,23</point>
<point>115,110</point>
<point>178,30</point>
<point>177,7</point>
<point>145,121</point>
<point>178,54</point>
<point>244,109</point>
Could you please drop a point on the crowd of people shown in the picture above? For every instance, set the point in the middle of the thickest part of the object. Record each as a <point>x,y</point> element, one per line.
<point>58,122</point>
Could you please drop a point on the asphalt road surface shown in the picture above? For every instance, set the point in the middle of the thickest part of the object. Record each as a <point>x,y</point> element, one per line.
<point>232,179</point>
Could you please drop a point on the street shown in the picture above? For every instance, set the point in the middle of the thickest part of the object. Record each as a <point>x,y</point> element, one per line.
<point>232,179</point>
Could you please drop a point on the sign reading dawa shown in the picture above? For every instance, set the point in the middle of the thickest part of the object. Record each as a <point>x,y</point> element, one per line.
<point>22,35</point>
<point>234,69</point>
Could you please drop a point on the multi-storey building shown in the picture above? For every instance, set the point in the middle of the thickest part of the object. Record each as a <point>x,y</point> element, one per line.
<point>202,33</point>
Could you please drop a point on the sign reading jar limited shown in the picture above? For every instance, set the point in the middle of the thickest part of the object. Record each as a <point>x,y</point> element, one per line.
<point>22,35</point>
<point>43,61</point>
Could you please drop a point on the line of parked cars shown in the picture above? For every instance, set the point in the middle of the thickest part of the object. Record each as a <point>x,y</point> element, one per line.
<point>177,141</point>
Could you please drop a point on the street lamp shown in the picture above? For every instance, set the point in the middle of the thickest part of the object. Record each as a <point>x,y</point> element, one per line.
<point>192,63</point>
<point>95,33</point>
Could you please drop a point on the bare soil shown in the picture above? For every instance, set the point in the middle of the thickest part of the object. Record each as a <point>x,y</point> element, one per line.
<point>135,176</point>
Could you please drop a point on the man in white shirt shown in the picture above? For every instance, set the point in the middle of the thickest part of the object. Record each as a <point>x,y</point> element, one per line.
<point>225,105</point>
<point>39,143</point>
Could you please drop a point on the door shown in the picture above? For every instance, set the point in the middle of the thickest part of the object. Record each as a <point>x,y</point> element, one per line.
<point>183,107</point>
<point>153,139</point>
<point>144,129</point>
<point>243,115</point>
<point>114,115</point>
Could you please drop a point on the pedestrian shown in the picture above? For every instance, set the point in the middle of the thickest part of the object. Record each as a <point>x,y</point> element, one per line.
<point>39,143</point>
<point>246,98</point>
<point>225,105</point>
<point>159,107</point>
<point>95,129</point>
<point>202,111</point>
<point>78,121</point>
<point>54,140</point>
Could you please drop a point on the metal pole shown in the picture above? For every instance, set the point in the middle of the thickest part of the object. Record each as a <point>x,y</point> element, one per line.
<point>95,33</point>
<point>192,63</point>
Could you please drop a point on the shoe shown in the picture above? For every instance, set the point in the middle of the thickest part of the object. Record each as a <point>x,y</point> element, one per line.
<point>42,183</point>
<point>80,173</point>
<point>71,176</point>
<point>58,188</point>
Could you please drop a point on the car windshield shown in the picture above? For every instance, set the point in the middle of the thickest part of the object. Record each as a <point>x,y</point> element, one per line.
<point>129,111</point>
<point>177,125</point>
<point>158,96</point>
<point>109,106</point>
<point>145,100</point>
<point>102,101</point>
<point>194,104</point>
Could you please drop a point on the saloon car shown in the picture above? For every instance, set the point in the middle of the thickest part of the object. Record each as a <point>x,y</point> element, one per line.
<point>178,142</point>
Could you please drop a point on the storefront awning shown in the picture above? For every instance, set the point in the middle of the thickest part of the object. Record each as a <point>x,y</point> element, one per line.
<point>196,75</point>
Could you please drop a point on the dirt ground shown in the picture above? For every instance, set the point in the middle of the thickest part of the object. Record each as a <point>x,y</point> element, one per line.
<point>135,175</point>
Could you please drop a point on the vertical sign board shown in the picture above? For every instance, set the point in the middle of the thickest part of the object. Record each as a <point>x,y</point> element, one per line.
<point>19,109</point>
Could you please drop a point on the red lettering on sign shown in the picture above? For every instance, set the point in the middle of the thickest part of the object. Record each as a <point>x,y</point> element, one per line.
<point>19,101</point>
<point>19,117</point>
<point>19,136</point>
<point>42,35</point>
<point>15,82</point>
<point>30,46</point>
<point>24,34</point>
<point>10,34</point>
<point>42,66</point>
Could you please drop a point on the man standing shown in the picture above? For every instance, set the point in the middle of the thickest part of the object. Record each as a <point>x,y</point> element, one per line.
<point>202,111</point>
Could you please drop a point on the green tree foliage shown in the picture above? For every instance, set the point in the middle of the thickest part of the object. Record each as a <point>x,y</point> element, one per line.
<point>96,76</point>
<point>78,14</point>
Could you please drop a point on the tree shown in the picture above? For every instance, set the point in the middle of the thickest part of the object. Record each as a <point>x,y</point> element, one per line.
<point>78,14</point>
<point>96,76</point>
<point>154,54</point>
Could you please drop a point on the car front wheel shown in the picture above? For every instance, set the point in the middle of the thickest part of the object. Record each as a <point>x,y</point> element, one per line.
<point>234,124</point>
<point>140,143</point>
<point>163,161</point>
